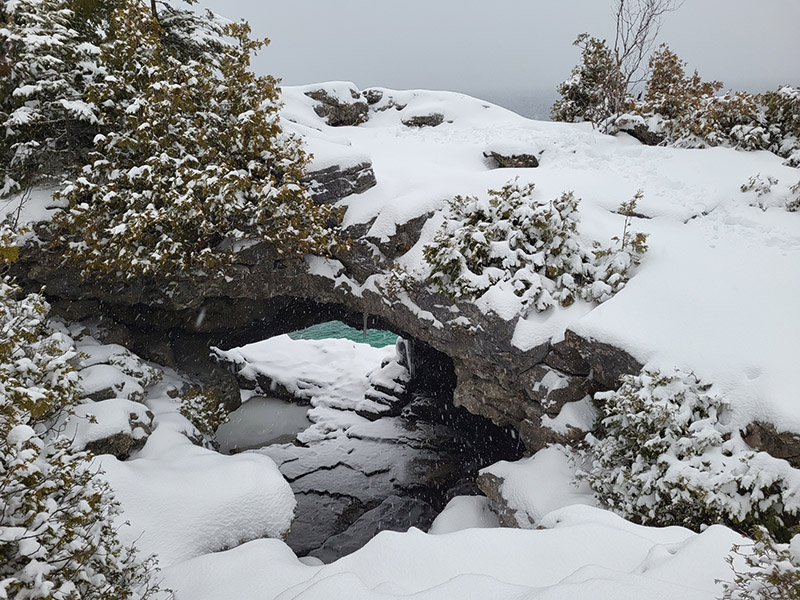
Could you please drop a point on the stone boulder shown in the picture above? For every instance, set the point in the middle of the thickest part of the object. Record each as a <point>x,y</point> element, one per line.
<point>608,363</point>
<point>404,237</point>
<point>644,130</point>
<point>429,120</point>
<point>552,389</point>
<point>116,426</point>
<point>339,110</point>
<point>335,182</point>
<point>512,156</point>
<point>780,444</point>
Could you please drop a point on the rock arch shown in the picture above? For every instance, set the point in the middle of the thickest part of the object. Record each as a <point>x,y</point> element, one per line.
<point>266,294</point>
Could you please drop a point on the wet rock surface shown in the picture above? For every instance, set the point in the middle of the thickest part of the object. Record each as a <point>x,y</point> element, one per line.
<point>388,474</point>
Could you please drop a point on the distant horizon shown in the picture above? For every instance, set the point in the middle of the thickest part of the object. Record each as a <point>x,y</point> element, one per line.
<point>505,51</point>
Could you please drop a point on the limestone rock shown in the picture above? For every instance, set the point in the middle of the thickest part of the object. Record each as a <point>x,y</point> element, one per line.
<point>333,183</point>
<point>512,155</point>
<point>552,389</point>
<point>116,426</point>
<point>431,120</point>
<point>639,128</point>
<point>783,444</point>
<point>567,360</point>
<point>491,485</point>
<point>608,363</point>
<point>513,161</point>
<point>405,236</point>
<point>339,111</point>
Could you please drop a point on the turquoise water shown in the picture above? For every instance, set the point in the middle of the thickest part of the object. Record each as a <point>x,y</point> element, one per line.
<point>376,338</point>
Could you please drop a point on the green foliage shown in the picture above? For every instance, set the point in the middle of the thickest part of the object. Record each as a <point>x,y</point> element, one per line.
<point>793,202</point>
<point>595,91</point>
<point>46,124</point>
<point>782,115</point>
<point>759,185</point>
<point>204,409</point>
<point>57,534</point>
<point>611,268</point>
<point>662,457</point>
<point>191,161</point>
<point>528,246</point>
<point>773,570</point>
<point>515,243</point>
<point>670,93</point>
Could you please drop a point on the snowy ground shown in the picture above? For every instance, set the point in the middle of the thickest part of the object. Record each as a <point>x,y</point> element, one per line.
<point>712,295</point>
<point>716,294</point>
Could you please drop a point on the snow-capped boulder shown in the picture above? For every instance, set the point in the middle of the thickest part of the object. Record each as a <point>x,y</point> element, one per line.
<point>608,362</point>
<point>335,182</point>
<point>523,492</point>
<point>340,104</point>
<point>116,426</point>
<point>428,120</point>
<point>509,155</point>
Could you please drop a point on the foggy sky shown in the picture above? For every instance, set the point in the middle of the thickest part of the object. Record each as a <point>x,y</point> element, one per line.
<point>498,49</point>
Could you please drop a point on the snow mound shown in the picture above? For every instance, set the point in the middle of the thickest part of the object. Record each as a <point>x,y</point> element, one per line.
<point>587,553</point>
<point>183,501</point>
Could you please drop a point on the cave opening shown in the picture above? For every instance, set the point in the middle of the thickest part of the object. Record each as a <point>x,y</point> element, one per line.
<point>361,422</point>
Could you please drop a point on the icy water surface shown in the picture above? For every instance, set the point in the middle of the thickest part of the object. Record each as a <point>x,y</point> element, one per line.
<point>336,329</point>
<point>261,421</point>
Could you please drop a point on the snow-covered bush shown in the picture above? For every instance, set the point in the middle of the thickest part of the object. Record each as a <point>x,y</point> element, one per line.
<point>670,93</point>
<point>611,266</point>
<point>46,123</point>
<point>595,91</point>
<point>526,246</point>
<point>190,160</point>
<point>772,573</point>
<point>57,534</point>
<point>759,185</point>
<point>530,245</point>
<point>782,114</point>
<point>793,201</point>
<point>204,409</point>
<point>664,458</point>
<point>730,119</point>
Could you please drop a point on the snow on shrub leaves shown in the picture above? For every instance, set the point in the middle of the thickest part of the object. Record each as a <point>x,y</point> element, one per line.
<point>530,248</point>
<point>665,458</point>
<point>57,534</point>
<point>773,570</point>
<point>190,160</point>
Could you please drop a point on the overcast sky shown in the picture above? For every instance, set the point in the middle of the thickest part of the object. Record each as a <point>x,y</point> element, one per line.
<point>512,52</point>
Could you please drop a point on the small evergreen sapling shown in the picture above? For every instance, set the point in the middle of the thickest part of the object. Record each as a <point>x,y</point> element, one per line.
<point>595,90</point>
<point>772,573</point>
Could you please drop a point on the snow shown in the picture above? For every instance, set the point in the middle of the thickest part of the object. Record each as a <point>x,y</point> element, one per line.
<point>583,553</point>
<point>711,294</point>
<point>535,486</point>
<point>579,415</point>
<point>184,501</point>
<point>465,512</point>
<point>330,373</point>
<point>98,420</point>
<point>715,295</point>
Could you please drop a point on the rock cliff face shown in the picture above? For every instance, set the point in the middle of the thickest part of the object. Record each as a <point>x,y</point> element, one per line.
<point>266,295</point>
